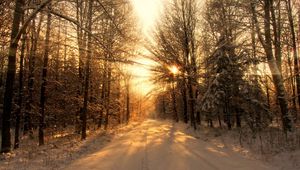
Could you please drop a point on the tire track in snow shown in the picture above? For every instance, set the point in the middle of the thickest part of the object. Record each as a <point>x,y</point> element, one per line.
<point>186,147</point>
<point>159,145</point>
<point>145,163</point>
<point>204,160</point>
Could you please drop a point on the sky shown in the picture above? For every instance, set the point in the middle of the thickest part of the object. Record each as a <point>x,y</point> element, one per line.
<point>148,12</point>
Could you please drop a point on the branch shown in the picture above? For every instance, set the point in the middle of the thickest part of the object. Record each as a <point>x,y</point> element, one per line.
<point>31,17</point>
<point>112,20</point>
<point>259,34</point>
<point>81,27</point>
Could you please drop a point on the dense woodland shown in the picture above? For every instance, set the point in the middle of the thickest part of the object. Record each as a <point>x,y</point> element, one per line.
<point>230,64</point>
<point>62,65</point>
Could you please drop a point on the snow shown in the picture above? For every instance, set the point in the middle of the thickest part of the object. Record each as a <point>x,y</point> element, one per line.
<point>54,154</point>
<point>161,145</point>
<point>150,145</point>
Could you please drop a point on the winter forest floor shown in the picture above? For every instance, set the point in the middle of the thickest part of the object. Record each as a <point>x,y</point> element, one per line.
<point>150,145</point>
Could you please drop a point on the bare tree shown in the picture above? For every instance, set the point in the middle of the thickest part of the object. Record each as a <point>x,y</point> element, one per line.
<point>176,45</point>
<point>87,72</point>
<point>10,78</point>
<point>44,80</point>
<point>294,46</point>
<point>276,75</point>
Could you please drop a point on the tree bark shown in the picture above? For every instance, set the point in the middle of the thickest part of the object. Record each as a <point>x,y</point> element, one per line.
<point>10,78</point>
<point>81,40</point>
<point>174,103</point>
<point>20,99</point>
<point>127,101</point>
<point>291,79</point>
<point>103,89</point>
<point>192,104</point>
<point>277,33</point>
<point>294,45</point>
<point>107,103</point>
<point>44,82</point>
<point>31,76</point>
<point>87,73</point>
<point>276,75</point>
<point>184,100</point>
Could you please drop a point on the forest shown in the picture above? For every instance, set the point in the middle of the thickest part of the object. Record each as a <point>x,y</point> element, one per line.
<point>82,68</point>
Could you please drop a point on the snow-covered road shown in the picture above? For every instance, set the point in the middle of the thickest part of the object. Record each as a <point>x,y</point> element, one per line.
<point>157,145</point>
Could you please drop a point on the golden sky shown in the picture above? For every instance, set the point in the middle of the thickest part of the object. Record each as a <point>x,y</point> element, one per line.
<point>148,12</point>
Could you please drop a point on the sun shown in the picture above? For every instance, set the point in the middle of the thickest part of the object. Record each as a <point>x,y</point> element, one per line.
<point>174,70</point>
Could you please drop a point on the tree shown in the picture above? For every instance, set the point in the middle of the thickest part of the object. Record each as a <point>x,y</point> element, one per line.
<point>87,72</point>
<point>276,75</point>
<point>20,95</point>
<point>35,34</point>
<point>105,35</point>
<point>176,45</point>
<point>16,33</point>
<point>44,80</point>
<point>127,86</point>
<point>294,46</point>
<point>10,78</point>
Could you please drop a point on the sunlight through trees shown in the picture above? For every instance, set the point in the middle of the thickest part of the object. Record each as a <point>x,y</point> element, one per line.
<point>82,67</point>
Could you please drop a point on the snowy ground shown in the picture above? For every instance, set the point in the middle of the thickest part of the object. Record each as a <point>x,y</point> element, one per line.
<point>151,145</point>
<point>156,145</point>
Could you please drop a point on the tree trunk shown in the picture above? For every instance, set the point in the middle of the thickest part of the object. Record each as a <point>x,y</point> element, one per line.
<point>163,107</point>
<point>184,100</point>
<point>31,77</point>
<point>276,75</point>
<point>174,102</point>
<point>87,73</point>
<point>102,96</point>
<point>294,45</point>
<point>10,78</point>
<point>80,42</point>
<point>2,61</point>
<point>107,104</point>
<point>57,56</point>
<point>44,82</point>
<point>219,120</point>
<point>20,99</point>
<point>277,33</point>
<point>198,117</point>
<point>238,118</point>
<point>127,102</point>
<point>227,112</point>
<point>192,104</point>
<point>291,79</point>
